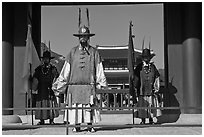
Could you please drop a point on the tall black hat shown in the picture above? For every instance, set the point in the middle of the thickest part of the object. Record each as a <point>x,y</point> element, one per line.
<point>84,30</point>
<point>146,52</point>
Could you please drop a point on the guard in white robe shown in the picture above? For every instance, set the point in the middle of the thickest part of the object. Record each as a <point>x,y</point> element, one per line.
<point>81,74</point>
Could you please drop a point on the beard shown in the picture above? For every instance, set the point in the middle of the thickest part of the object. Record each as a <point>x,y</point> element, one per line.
<point>83,43</point>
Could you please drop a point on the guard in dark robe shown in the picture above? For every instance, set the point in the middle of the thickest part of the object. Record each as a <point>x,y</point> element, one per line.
<point>147,84</point>
<point>45,74</point>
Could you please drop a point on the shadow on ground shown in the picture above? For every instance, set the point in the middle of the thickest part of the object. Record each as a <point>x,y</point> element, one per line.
<point>170,100</point>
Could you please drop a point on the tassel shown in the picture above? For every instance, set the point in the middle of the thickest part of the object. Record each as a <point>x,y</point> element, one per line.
<point>143,43</point>
<point>79,18</point>
<point>49,47</point>
<point>87,12</point>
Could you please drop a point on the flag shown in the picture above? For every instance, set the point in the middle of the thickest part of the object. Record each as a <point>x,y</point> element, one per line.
<point>131,59</point>
<point>31,60</point>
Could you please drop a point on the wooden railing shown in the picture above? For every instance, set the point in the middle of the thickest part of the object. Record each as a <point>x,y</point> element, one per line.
<point>114,98</point>
<point>104,109</point>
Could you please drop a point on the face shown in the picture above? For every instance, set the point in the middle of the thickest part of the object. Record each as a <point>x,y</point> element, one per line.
<point>146,59</point>
<point>83,40</point>
<point>46,60</point>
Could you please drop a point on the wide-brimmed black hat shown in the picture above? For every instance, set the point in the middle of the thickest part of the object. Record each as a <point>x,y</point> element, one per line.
<point>147,53</point>
<point>47,54</point>
<point>84,31</point>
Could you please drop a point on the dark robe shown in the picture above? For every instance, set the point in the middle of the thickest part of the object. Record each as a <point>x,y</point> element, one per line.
<point>144,82</point>
<point>45,95</point>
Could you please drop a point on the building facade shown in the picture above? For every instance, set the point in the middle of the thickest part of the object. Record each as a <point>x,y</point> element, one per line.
<point>182,51</point>
<point>115,60</point>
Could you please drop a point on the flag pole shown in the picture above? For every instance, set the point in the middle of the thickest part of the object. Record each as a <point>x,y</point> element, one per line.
<point>26,100</point>
<point>31,104</point>
<point>131,61</point>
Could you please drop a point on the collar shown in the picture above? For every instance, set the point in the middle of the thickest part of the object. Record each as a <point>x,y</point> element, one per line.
<point>46,66</point>
<point>81,48</point>
<point>147,64</point>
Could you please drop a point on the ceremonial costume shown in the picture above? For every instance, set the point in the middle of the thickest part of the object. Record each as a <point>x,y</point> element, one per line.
<point>45,74</point>
<point>82,73</point>
<point>147,85</point>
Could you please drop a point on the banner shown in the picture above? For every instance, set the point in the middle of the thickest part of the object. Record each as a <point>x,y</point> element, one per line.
<point>31,60</point>
<point>131,61</point>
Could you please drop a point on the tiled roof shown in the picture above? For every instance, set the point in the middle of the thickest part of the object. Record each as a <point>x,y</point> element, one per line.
<point>115,51</point>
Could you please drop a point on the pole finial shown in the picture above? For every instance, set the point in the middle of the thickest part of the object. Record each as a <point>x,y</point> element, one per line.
<point>49,47</point>
<point>150,43</point>
<point>143,43</point>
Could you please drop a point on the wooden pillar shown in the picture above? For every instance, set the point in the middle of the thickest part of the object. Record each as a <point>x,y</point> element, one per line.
<point>7,56</point>
<point>192,56</point>
<point>36,26</point>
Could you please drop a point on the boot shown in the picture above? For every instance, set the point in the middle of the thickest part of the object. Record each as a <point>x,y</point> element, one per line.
<point>91,129</point>
<point>76,129</point>
<point>42,122</point>
<point>143,121</point>
<point>151,121</point>
<point>52,122</point>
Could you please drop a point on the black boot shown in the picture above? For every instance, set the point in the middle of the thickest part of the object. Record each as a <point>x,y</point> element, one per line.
<point>76,129</point>
<point>91,129</point>
<point>52,122</point>
<point>65,122</point>
<point>151,121</point>
<point>143,121</point>
<point>42,122</point>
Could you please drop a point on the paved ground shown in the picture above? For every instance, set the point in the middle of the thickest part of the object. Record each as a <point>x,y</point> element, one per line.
<point>187,124</point>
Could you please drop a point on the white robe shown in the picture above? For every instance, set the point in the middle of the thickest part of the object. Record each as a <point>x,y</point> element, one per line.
<point>79,116</point>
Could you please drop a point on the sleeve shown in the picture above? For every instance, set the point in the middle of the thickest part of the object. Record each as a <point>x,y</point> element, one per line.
<point>55,72</point>
<point>60,85</point>
<point>36,73</point>
<point>98,58</point>
<point>156,82</point>
<point>156,72</point>
<point>100,75</point>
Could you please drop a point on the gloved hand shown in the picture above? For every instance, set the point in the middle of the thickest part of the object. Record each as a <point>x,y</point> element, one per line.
<point>52,97</point>
<point>57,94</point>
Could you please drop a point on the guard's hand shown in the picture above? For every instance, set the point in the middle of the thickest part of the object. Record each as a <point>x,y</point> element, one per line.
<point>57,94</point>
<point>52,97</point>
